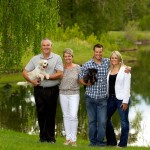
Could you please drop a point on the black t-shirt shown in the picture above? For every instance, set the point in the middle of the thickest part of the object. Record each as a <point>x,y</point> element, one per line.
<point>112,80</point>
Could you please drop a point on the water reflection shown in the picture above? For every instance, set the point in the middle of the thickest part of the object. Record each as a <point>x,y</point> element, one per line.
<point>142,111</point>
<point>17,108</point>
<point>15,112</point>
<point>141,98</point>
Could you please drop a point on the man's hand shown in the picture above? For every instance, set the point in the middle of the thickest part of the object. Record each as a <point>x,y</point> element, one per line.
<point>36,82</point>
<point>127,69</point>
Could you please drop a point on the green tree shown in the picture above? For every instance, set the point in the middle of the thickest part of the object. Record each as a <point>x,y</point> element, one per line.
<point>98,16</point>
<point>24,23</point>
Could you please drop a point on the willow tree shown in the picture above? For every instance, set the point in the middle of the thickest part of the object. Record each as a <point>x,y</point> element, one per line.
<point>23,24</point>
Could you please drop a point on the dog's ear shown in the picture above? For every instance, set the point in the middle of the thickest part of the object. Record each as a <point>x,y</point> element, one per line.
<point>40,62</point>
<point>96,70</point>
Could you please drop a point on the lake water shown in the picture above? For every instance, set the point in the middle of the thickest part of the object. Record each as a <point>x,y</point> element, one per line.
<point>17,107</point>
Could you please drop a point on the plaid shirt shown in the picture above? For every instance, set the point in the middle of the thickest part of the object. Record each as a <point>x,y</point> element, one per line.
<point>99,89</point>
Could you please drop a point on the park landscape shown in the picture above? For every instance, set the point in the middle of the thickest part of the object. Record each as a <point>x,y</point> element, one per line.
<point>21,33</point>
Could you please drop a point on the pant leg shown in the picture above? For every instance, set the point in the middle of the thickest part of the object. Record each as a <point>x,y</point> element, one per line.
<point>73,109</point>
<point>46,103</point>
<point>92,117</point>
<point>64,103</point>
<point>124,124</point>
<point>101,120</point>
<point>40,106</point>
<point>51,106</point>
<point>110,134</point>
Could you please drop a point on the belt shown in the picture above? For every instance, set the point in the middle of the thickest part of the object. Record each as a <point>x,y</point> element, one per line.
<point>42,87</point>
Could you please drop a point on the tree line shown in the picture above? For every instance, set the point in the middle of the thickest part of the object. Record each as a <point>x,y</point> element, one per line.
<point>99,16</point>
<point>24,23</point>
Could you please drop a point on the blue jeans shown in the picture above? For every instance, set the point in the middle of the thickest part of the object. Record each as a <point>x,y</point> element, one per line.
<point>97,120</point>
<point>113,104</point>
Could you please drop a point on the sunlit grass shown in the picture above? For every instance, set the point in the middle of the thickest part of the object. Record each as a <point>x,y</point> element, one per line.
<point>11,140</point>
<point>83,51</point>
<point>141,35</point>
<point>11,78</point>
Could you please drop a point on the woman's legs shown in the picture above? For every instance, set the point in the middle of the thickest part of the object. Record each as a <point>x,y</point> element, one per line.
<point>124,125</point>
<point>64,103</point>
<point>110,134</point>
<point>73,106</point>
<point>69,105</point>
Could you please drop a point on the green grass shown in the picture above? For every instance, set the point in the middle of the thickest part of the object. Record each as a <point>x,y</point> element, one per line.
<point>11,140</point>
<point>10,78</point>
<point>83,50</point>
<point>141,35</point>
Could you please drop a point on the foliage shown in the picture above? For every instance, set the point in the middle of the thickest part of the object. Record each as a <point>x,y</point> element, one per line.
<point>92,39</point>
<point>71,33</point>
<point>144,22</point>
<point>24,23</point>
<point>99,16</point>
<point>131,31</point>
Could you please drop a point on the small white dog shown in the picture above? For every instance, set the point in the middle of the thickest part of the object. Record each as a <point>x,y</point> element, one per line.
<point>38,73</point>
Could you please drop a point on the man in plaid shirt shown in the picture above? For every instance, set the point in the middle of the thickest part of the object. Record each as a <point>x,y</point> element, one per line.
<point>96,96</point>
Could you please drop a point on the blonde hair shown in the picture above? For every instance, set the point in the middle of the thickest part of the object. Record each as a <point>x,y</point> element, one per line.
<point>119,56</point>
<point>68,51</point>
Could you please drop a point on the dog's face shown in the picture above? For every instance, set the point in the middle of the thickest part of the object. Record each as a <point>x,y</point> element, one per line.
<point>43,64</point>
<point>92,71</point>
<point>90,76</point>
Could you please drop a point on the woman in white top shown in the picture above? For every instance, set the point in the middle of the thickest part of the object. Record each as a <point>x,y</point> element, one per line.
<point>119,97</point>
<point>69,97</point>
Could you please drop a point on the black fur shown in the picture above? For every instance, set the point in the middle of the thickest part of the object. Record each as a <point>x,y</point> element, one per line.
<point>90,76</point>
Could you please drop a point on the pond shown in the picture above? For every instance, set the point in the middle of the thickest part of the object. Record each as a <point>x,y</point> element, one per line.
<point>17,107</point>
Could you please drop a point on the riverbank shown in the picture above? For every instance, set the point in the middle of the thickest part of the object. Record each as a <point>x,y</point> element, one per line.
<point>12,140</point>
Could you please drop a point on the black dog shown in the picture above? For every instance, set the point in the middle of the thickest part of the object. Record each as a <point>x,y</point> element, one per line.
<point>90,76</point>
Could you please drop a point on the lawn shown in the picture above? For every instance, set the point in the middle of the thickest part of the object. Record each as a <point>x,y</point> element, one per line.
<point>11,140</point>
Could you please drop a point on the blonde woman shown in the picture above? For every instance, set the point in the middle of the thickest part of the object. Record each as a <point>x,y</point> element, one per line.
<point>69,97</point>
<point>119,97</point>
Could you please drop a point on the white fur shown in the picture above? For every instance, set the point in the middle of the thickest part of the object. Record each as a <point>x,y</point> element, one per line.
<point>37,73</point>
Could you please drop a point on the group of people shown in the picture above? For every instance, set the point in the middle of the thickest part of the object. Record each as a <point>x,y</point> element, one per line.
<point>111,92</point>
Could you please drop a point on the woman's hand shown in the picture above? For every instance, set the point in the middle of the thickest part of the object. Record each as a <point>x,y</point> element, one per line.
<point>124,106</point>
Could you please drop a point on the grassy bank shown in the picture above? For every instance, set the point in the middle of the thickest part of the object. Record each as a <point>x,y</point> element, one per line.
<point>11,140</point>
<point>10,78</point>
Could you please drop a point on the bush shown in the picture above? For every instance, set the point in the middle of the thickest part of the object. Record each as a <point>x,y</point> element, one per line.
<point>131,31</point>
<point>144,23</point>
